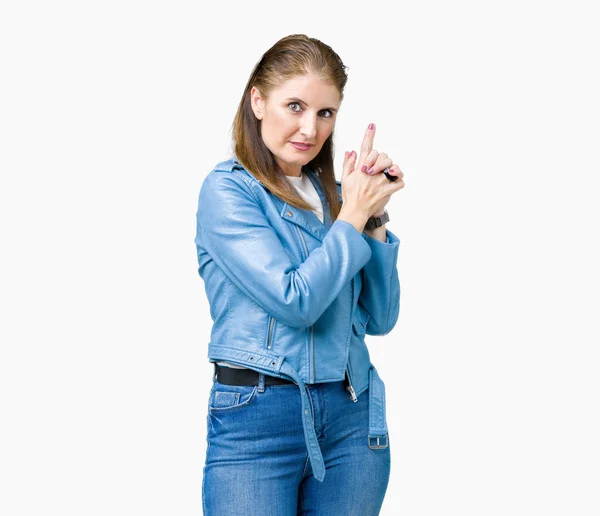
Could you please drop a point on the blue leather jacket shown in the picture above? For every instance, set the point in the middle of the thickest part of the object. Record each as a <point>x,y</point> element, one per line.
<point>293,297</point>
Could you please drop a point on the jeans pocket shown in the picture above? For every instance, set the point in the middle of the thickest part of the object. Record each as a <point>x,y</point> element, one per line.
<point>230,397</point>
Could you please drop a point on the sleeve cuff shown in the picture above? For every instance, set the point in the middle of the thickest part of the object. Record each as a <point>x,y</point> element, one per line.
<point>390,239</point>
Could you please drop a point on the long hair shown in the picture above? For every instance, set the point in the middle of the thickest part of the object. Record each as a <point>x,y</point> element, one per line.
<point>291,56</point>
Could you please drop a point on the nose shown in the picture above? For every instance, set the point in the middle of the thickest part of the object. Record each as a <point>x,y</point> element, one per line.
<point>308,127</point>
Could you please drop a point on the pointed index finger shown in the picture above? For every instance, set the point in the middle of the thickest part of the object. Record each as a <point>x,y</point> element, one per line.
<point>367,144</point>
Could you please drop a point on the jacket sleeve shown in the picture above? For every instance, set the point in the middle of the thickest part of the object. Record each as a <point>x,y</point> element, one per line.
<point>380,293</point>
<point>236,234</point>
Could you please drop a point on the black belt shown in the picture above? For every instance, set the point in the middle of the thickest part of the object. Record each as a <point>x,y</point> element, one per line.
<point>233,376</point>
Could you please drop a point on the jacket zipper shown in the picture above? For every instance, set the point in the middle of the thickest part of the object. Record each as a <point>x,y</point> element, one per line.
<point>312,337</point>
<point>350,389</point>
<point>271,323</point>
<point>312,355</point>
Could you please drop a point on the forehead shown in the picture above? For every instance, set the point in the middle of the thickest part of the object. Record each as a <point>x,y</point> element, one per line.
<point>310,88</point>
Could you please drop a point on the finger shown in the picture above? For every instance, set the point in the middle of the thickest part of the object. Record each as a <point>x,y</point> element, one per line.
<point>382,156</point>
<point>393,186</point>
<point>397,185</point>
<point>352,161</point>
<point>345,165</point>
<point>346,155</point>
<point>348,166</point>
<point>367,144</point>
<point>369,161</point>
<point>395,171</point>
<point>381,164</point>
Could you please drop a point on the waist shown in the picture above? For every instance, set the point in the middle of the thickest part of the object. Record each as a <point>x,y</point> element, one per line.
<point>232,376</point>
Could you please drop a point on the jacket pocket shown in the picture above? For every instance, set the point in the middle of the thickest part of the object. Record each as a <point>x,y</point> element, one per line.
<point>359,323</point>
<point>270,332</point>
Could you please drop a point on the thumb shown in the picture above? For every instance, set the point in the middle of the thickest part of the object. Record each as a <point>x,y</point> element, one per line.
<point>348,166</point>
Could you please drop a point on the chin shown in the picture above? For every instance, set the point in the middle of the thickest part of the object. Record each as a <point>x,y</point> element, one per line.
<point>298,160</point>
<point>291,158</point>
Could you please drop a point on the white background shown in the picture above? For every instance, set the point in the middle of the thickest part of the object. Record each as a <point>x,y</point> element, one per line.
<point>111,115</point>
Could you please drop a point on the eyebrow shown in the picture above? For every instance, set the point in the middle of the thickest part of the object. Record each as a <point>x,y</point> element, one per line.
<point>296,99</point>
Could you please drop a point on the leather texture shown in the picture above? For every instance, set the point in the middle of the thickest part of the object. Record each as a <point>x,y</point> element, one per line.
<point>289,295</point>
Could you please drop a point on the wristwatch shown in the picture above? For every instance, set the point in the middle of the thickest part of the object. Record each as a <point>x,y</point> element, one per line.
<point>377,222</point>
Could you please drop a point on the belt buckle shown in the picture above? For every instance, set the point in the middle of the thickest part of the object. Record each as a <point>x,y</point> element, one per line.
<point>376,439</point>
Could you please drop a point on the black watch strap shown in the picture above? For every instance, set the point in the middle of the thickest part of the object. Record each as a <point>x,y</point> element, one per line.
<point>377,222</point>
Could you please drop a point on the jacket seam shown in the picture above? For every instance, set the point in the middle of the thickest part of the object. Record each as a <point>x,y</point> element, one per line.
<point>245,179</point>
<point>249,182</point>
<point>389,310</point>
<point>208,238</point>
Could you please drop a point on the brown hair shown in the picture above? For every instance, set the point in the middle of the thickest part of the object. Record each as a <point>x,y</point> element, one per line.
<point>291,56</point>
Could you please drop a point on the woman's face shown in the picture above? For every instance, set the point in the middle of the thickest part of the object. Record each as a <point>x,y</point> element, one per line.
<point>301,110</point>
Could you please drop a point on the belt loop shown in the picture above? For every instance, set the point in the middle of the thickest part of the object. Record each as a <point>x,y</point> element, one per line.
<point>261,382</point>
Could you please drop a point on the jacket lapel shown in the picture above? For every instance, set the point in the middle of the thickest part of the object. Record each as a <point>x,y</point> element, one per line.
<point>305,219</point>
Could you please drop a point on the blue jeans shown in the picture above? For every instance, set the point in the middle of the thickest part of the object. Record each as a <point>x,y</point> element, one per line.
<point>256,458</point>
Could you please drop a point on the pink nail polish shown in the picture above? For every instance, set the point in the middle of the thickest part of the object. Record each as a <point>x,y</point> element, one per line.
<point>364,168</point>
<point>371,170</point>
<point>371,126</point>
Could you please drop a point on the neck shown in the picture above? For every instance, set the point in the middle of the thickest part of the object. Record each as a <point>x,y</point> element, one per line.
<point>294,174</point>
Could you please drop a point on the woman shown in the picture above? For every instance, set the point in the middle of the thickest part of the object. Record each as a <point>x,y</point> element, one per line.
<point>296,421</point>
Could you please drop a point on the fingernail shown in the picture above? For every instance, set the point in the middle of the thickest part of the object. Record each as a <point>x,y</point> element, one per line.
<point>371,170</point>
<point>371,126</point>
<point>364,168</point>
<point>346,155</point>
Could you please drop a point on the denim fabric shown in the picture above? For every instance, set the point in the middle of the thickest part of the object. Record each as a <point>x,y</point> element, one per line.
<point>257,463</point>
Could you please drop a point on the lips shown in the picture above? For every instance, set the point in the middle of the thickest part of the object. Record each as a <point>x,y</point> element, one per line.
<point>301,146</point>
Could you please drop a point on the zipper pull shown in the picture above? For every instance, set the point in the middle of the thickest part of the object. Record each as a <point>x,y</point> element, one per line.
<point>350,389</point>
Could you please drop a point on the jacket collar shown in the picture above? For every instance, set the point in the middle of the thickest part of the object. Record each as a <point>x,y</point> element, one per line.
<point>305,219</point>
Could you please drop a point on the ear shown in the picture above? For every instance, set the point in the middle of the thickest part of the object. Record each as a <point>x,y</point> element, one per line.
<point>257,103</point>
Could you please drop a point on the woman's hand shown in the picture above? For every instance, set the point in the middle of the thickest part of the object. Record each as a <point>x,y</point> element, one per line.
<point>372,163</point>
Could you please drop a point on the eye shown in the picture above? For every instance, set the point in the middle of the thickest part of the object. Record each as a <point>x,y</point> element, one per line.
<point>291,104</point>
